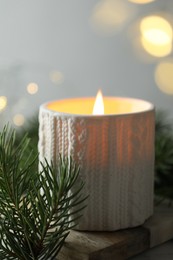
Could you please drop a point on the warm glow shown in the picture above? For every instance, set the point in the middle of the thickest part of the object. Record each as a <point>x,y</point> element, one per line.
<point>141,1</point>
<point>18,119</point>
<point>98,108</point>
<point>164,77</point>
<point>156,36</point>
<point>84,106</point>
<point>109,15</point>
<point>3,102</point>
<point>156,29</point>
<point>32,88</point>
<point>156,50</point>
<point>56,76</point>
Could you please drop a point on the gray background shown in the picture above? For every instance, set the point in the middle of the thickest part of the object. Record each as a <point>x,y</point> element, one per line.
<point>38,36</point>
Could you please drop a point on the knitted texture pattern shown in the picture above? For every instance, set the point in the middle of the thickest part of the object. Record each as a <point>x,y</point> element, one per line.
<point>116,156</point>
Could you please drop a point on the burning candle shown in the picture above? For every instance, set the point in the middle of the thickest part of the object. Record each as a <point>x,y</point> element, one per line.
<point>98,108</point>
<point>112,139</point>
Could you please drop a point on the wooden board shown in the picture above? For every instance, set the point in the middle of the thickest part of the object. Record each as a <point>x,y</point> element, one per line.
<point>119,244</point>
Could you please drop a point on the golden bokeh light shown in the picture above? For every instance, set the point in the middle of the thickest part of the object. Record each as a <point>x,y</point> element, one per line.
<point>32,88</point>
<point>156,30</point>
<point>56,76</point>
<point>141,1</point>
<point>18,119</point>
<point>156,36</point>
<point>156,50</point>
<point>164,77</point>
<point>109,15</point>
<point>3,103</point>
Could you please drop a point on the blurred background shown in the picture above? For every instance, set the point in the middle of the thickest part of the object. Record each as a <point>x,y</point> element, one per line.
<point>52,49</point>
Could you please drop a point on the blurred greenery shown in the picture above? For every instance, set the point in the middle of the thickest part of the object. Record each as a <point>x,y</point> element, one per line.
<point>164,158</point>
<point>31,130</point>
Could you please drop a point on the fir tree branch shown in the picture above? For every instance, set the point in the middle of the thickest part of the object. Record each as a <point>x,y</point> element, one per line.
<point>37,209</point>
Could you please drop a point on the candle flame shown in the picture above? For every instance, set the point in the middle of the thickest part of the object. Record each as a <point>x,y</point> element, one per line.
<point>98,108</point>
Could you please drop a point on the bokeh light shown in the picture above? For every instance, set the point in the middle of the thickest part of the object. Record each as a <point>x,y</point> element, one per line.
<point>156,36</point>
<point>18,119</point>
<point>32,88</point>
<point>109,15</point>
<point>156,30</point>
<point>156,50</point>
<point>141,1</point>
<point>164,76</point>
<point>3,103</point>
<point>56,76</point>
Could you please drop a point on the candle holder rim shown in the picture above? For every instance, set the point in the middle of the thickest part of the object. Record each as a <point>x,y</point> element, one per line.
<point>151,107</point>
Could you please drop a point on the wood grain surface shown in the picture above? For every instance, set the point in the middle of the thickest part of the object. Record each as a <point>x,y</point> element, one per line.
<point>121,244</point>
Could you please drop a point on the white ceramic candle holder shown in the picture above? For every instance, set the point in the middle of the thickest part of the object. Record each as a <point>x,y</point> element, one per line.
<point>115,153</point>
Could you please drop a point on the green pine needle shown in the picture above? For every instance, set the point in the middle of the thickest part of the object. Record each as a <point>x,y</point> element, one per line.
<point>37,209</point>
<point>163,158</point>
